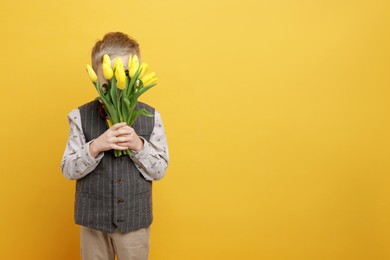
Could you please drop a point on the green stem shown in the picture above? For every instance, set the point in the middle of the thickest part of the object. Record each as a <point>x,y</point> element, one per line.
<point>119,106</point>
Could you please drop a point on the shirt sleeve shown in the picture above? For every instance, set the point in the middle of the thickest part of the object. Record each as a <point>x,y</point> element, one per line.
<point>77,162</point>
<point>152,159</point>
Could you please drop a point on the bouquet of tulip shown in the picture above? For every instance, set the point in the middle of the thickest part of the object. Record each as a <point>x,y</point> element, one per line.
<point>120,95</point>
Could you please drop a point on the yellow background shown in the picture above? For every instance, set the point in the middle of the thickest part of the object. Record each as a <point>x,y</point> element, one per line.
<point>277,116</point>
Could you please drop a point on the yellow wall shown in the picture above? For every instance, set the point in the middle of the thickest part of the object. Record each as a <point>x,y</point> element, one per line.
<point>277,115</point>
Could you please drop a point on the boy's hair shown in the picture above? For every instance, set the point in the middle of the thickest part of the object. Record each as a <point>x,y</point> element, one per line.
<point>113,44</point>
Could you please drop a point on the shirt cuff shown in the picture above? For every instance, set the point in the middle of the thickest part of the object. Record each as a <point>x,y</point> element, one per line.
<point>143,152</point>
<point>88,157</point>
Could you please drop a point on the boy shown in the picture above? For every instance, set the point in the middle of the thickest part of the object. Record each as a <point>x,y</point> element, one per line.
<point>113,203</point>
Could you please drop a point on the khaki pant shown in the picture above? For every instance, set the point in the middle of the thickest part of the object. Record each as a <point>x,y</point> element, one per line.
<point>97,245</point>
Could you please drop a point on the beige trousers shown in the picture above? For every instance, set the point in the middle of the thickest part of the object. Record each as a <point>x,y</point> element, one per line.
<point>97,245</point>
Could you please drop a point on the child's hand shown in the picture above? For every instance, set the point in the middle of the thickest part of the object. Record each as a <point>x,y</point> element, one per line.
<point>118,137</point>
<point>128,138</point>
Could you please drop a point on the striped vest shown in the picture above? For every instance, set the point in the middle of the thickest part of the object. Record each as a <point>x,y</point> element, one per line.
<point>114,196</point>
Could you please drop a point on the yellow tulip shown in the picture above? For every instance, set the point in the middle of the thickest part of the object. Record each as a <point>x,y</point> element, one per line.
<point>144,68</point>
<point>133,66</point>
<point>120,74</point>
<point>129,62</point>
<point>149,78</point>
<point>150,81</point>
<point>116,63</point>
<point>107,71</point>
<point>91,73</point>
<point>107,60</point>
<point>121,84</point>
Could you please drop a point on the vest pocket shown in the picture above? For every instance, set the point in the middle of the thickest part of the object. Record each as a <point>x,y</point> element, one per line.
<point>93,210</point>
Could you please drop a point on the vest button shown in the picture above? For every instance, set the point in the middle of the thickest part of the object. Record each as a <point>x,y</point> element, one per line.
<point>119,180</point>
<point>119,220</point>
<point>120,201</point>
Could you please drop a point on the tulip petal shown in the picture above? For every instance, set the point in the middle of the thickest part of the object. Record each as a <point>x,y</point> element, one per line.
<point>150,81</point>
<point>134,66</point>
<point>91,73</point>
<point>107,60</point>
<point>107,71</point>
<point>148,76</point>
<point>129,62</point>
<point>144,69</point>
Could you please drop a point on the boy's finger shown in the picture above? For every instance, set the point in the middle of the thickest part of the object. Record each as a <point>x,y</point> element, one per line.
<point>123,132</point>
<point>121,139</point>
<point>118,125</point>
<point>118,147</point>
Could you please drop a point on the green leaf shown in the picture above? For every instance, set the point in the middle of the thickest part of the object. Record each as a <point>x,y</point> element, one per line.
<point>112,113</point>
<point>119,110</point>
<point>138,113</point>
<point>125,107</point>
<point>127,101</point>
<point>131,89</point>
<point>107,103</point>
<point>108,97</point>
<point>97,86</point>
<point>113,93</point>
<point>124,91</point>
<point>135,97</point>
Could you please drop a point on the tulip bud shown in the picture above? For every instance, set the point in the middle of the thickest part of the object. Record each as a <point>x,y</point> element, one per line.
<point>107,60</point>
<point>133,66</point>
<point>120,74</point>
<point>116,63</point>
<point>150,81</point>
<point>144,68</point>
<point>107,71</point>
<point>118,66</point>
<point>121,84</point>
<point>91,73</point>
<point>148,77</point>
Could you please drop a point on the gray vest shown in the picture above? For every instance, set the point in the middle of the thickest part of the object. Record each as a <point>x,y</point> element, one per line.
<point>114,196</point>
